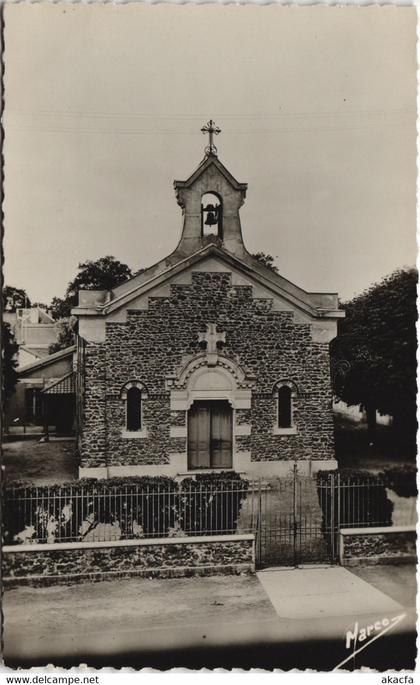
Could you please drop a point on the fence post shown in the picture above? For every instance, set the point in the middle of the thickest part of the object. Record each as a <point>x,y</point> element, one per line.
<point>259,523</point>
<point>332,517</point>
<point>338,512</point>
<point>295,523</point>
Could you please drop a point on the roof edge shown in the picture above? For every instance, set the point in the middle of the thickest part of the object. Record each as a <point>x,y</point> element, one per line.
<point>56,382</point>
<point>267,280</point>
<point>49,359</point>
<point>207,161</point>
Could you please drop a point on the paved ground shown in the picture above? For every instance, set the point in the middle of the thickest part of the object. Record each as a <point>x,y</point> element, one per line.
<point>398,582</point>
<point>307,593</point>
<point>39,462</point>
<point>221,621</point>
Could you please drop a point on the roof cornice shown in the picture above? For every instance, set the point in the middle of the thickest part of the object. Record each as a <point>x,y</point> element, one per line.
<point>268,281</point>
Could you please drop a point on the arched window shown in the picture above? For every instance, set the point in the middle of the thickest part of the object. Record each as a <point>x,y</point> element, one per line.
<point>284,407</point>
<point>134,401</point>
<point>211,215</point>
<point>285,394</point>
<point>134,394</point>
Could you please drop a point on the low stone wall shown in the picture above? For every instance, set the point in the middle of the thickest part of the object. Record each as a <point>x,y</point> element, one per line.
<point>388,545</point>
<point>60,563</point>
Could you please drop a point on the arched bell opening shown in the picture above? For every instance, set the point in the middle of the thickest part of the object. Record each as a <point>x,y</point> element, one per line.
<point>211,215</point>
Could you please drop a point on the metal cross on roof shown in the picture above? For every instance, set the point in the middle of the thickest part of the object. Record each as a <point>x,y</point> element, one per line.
<point>212,130</point>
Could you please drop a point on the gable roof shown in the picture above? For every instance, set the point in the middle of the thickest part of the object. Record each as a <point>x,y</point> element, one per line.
<point>211,160</point>
<point>309,303</point>
<point>46,361</point>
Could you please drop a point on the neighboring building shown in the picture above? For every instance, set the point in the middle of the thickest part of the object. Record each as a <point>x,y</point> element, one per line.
<point>206,360</point>
<point>34,331</point>
<point>44,398</point>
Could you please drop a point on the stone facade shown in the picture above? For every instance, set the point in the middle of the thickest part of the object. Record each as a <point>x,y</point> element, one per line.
<point>364,546</point>
<point>150,347</point>
<point>159,331</point>
<point>167,558</point>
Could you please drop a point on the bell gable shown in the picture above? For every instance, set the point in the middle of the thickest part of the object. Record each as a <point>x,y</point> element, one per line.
<point>210,200</point>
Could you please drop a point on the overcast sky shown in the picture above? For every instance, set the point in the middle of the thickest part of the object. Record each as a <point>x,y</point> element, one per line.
<point>104,106</point>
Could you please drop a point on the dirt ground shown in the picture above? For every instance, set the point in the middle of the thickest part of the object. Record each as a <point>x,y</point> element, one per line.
<point>135,601</point>
<point>110,617</point>
<point>222,621</point>
<point>40,463</point>
<point>54,462</point>
<point>353,450</point>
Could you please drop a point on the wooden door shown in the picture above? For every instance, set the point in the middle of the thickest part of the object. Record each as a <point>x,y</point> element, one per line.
<point>221,435</point>
<point>199,436</point>
<point>210,435</point>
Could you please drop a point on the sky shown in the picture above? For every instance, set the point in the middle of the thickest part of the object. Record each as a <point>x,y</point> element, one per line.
<point>103,110</point>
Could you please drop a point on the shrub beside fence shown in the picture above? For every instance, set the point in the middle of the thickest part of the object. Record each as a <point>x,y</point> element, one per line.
<point>122,509</point>
<point>353,499</point>
<point>210,504</point>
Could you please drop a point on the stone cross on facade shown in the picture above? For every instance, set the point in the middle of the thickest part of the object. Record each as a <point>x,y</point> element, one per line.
<point>212,130</point>
<point>211,337</point>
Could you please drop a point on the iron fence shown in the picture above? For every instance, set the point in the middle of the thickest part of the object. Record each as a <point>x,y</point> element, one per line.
<point>296,520</point>
<point>299,518</point>
<point>97,514</point>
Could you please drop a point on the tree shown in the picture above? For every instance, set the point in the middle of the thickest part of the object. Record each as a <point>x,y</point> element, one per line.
<point>103,274</point>
<point>376,350</point>
<point>14,298</point>
<point>67,329</point>
<point>266,260</point>
<point>9,375</point>
<point>60,308</point>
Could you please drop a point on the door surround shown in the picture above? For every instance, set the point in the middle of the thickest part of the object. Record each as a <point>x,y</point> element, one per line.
<point>199,382</point>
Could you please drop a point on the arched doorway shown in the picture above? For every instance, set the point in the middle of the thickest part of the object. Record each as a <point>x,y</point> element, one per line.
<point>210,435</point>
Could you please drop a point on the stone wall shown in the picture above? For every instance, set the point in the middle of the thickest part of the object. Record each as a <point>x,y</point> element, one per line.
<point>47,564</point>
<point>151,346</point>
<point>366,546</point>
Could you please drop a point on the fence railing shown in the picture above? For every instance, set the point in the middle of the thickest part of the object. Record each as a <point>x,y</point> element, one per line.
<point>96,514</point>
<point>294,518</point>
<point>351,502</point>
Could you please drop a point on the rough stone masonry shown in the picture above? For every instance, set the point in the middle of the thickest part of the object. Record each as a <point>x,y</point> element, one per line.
<point>150,346</point>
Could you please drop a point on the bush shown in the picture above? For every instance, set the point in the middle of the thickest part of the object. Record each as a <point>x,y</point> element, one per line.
<point>402,480</point>
<point>139,507</point>
<point>211,503</point>
<point>359,501</point>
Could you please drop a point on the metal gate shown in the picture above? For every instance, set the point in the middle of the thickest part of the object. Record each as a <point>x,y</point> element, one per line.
<point>297,519</point>
<point>290,526</point>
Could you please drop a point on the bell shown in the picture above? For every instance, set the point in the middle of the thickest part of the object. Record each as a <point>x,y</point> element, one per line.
<point>210,219</point>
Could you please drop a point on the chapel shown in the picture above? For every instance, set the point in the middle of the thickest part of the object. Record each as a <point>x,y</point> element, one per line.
<point>207,360</point>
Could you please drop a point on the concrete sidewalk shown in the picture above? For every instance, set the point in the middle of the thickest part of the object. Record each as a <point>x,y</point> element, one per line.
<point>323,592</point>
